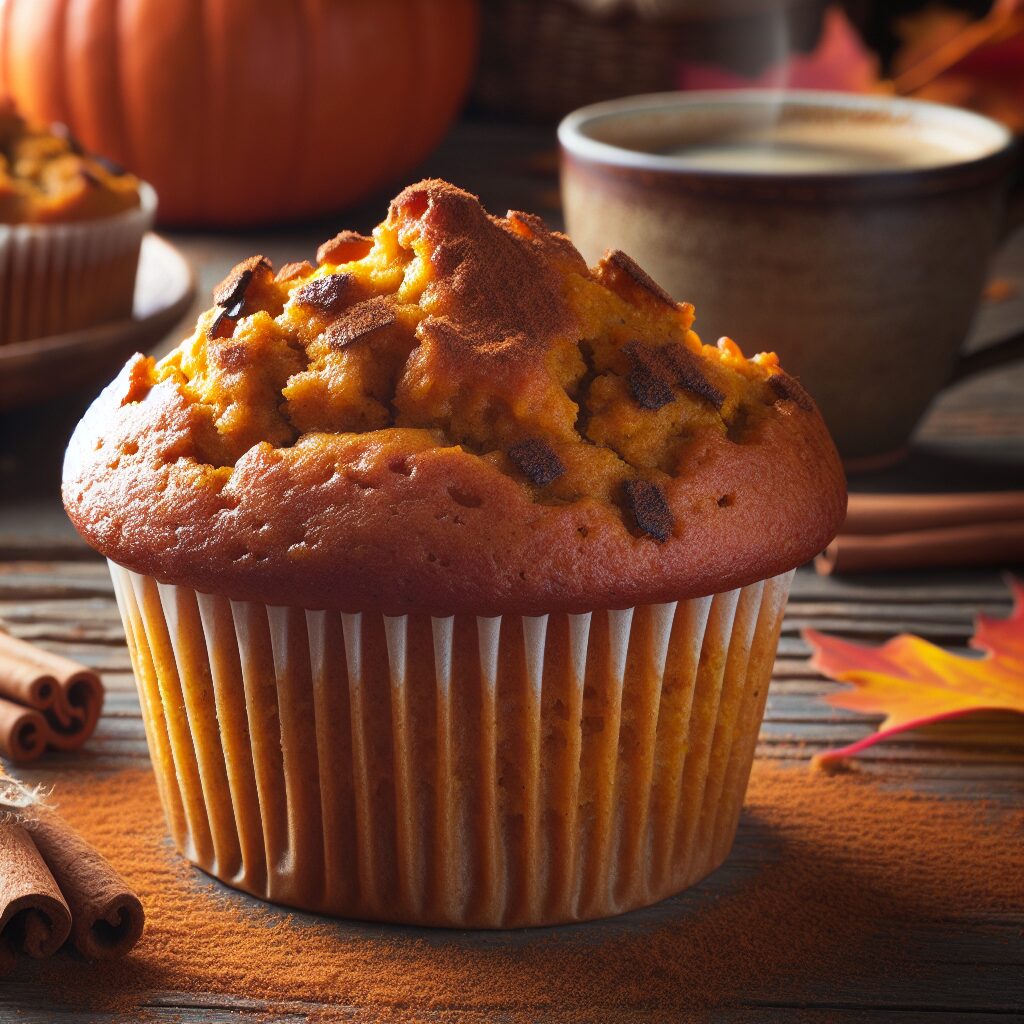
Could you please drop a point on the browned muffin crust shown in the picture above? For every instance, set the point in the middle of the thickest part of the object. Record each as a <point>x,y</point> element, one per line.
<point>457,417</point>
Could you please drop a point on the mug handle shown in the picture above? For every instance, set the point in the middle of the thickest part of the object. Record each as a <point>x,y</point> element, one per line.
<point>1011,348</point>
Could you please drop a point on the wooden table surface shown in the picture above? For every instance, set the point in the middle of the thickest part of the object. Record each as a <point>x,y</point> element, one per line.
<point>55,592</point>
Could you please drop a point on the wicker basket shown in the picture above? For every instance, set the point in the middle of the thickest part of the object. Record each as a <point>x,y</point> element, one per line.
<point>542,58</point>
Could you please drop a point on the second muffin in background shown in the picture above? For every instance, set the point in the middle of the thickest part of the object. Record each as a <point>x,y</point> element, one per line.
<point>453,571</point>
<point>71,226</point>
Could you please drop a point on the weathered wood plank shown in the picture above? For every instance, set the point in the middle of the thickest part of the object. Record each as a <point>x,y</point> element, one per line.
<point>321,1013</point>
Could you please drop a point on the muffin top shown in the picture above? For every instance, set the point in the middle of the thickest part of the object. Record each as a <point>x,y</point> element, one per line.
<point>45,177</point>
<point>455,415</point>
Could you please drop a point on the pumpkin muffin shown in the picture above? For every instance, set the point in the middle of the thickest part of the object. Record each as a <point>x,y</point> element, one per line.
<point>452,571</point>
<point>71,225</point>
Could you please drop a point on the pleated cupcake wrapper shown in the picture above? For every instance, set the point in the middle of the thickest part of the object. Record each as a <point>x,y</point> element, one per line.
<point>57,278</point>
<point>473,772</point>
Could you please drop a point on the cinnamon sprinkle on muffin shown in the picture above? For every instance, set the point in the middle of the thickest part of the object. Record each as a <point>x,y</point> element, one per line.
<point>483,352</point>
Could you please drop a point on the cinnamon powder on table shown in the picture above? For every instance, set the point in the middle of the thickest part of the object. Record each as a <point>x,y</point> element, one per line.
<point>832,889</point>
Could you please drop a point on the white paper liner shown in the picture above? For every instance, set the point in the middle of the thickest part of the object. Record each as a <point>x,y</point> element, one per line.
<point>472,772</point>
<point>56,278</point>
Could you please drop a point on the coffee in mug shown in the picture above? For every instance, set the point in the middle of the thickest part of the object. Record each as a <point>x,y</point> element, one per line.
<point>850,234</point>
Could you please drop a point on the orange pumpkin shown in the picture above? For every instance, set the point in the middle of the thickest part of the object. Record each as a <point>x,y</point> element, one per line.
<point>244,111</point>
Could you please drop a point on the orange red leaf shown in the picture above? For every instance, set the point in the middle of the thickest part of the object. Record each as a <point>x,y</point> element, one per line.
<point>913,683</point>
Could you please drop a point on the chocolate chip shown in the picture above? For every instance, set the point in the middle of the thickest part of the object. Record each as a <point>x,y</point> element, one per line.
<point>222,325</point>
<point>646,380</point>
<point>230,293</point>
<point>648,508</point>
<point>650,392</point>
<point>361,320</point>
<point>685,369</point>
<point>344,247</point>
<point>655,369</point>
<point>325,294</point>
<point>789,389</point>
<point>536,460</point>
<point>617,260</point>
<point>290,271</point>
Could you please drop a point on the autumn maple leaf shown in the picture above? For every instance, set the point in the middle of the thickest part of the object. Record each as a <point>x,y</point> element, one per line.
<point>914,683</point>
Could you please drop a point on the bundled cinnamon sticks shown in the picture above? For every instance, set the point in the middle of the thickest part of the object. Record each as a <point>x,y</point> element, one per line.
<point>46,701</point>
<point>55,888</point>
<point>923,531</point>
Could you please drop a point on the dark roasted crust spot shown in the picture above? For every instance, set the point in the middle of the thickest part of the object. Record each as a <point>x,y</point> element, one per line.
<point>221,326</point>
<point>325,294</point>
<point>789,389</point>
<point>537,461</point>
<point>360,321</point>
<point>646,504</point>
<point>655,370</point>
<point>687,373</point>
<point>647,377</point>
<point>617,261</point>
<point>344,247</point>
<point>230,293</point>
<point>290,271</point>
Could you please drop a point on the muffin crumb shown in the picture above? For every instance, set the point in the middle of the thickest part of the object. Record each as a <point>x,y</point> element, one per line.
<point>617,269</point>
<point>344,247</point>
<point>294,270</point>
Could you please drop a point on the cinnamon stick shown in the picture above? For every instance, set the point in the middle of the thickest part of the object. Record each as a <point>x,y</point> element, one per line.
<point>23,732</point>
<point>74,893</point>
<point>898,513</point>
<point>993,543</point>
<point>67,696</point>
<point>34,917</point>
<point>107,918</point>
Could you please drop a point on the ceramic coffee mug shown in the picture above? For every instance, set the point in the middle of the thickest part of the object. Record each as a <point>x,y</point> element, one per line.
<point>851,234</point>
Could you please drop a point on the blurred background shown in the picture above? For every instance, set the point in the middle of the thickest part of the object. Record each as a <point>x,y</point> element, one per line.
<point>541,60</point>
